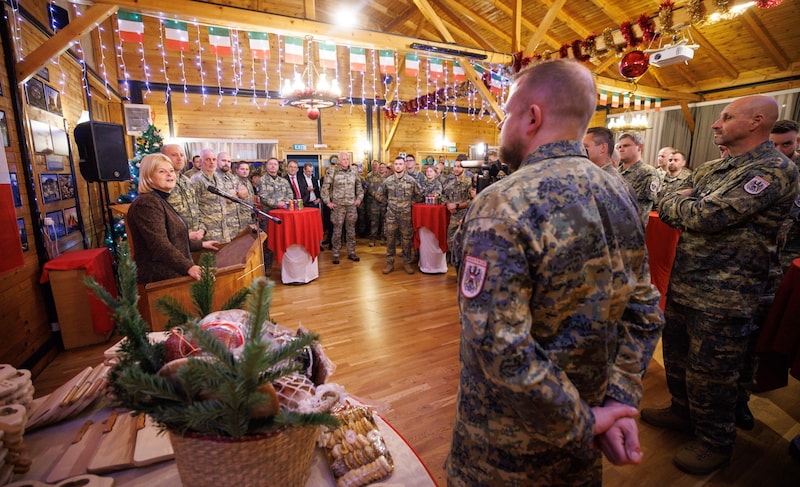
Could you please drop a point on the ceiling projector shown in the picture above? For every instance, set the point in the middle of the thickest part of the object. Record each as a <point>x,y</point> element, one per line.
<point>672,54</point>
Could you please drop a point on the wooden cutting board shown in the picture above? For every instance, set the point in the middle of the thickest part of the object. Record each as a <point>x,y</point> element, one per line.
<point>151,447</point>
<point>115,451</point>
<point>75,460</point>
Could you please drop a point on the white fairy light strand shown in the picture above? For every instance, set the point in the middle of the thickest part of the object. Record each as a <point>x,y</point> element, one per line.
<point>199,63</point>
<point>164,62</point>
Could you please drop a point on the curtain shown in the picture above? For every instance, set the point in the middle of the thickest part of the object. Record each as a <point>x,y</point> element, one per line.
<point>239,151</point>
<point>704,149</point>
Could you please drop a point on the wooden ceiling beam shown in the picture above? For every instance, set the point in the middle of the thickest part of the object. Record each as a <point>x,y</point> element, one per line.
<point>310,9</point>
<point>499,5</point>
<point>762,37</point>
<point>569,20</point>
<point>710,51</point>
<point>687,114</point>
<point>62,40</point>
<point>516,27</point>
<point>430,14</point>
<point>611,84</point>
<point>226,16</point>
<point>543,27</point>
<point>479,20</point>
<point>466,29</point>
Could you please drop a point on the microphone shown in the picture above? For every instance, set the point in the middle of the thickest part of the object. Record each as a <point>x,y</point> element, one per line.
<point>216,191</point>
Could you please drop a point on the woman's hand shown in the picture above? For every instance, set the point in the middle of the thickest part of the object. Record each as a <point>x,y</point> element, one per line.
<point>211,244</point>
<point>194,272</point>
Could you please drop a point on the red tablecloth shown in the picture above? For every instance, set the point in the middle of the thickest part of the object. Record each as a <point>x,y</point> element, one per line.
<point>96,263</point>
<point>661,240</point>
<point>302,227</point>
<point>778,344</point>
<point>433,217</point>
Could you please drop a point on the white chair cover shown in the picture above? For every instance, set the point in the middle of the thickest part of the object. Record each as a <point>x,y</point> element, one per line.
<point>431,258</point>
<point>297,266</point>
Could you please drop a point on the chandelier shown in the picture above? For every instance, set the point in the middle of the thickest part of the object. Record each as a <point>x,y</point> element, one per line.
<point>311,90</point>
<point>628,122</point>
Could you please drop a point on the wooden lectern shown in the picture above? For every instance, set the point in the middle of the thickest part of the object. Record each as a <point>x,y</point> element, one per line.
<point>238,263</point>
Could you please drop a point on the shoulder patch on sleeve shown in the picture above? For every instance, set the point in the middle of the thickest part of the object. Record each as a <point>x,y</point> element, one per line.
<point>654,186</point>
<point>756,185</point>
<point>473,276</point>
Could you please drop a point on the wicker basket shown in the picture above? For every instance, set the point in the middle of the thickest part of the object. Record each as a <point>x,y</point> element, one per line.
<point>281,459</point>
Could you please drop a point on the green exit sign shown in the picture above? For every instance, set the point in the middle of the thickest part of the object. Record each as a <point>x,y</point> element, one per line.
<point>298,147</point>
<point>452,149</point>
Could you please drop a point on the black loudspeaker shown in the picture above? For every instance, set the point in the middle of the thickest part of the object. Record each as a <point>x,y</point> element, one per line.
<point>101,147</point>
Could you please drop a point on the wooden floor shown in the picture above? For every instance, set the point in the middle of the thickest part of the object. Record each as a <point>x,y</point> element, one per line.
<point>394,340</point>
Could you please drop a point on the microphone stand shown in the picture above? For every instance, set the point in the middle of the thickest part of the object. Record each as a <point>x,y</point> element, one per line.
<point>257,213</point>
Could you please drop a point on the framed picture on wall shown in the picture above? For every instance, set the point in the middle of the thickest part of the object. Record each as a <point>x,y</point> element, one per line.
<point>50,192</point>
<point>42,141</point>
<point>58,223</point>
<point>67,186</point>
<point>23,235</point>
<point>54,163</point>
<point>34,90</point>
<point>71,219</point>
<point>44,73</point>
<point>4,129</point>
<point>60,141</point>
<point>15,189</point>
<point>53,100</point>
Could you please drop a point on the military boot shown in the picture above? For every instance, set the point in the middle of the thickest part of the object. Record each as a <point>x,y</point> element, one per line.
<point>389,267</point>
<point>697,459</point>
<point>667,418</point>
<point>408,268</point>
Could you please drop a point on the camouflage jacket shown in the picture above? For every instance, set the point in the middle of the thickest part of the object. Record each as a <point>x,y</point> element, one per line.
<point>456,189</point>
<point>673,184</point>
<point>374,182</point>
<point>246,214</point>
<point>184,199</point>
<point>274,190</point>
<point>342,186</point>
<point>212,208</point>
<point>399,193</point>
<point>432,187</point>
<point>645,181</point>
<point>729,226</point>
<point>230,185</point>
<point>557,314</point>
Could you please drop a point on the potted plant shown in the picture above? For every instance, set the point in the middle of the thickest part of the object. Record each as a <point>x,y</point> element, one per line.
<point>228,422</point>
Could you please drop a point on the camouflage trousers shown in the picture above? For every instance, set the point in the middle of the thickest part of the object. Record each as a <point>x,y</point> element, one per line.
<point>703,357</point>
<point>455,221</point>
<point>377,216</point>
<point>398,225</point>
<point>344,216</point>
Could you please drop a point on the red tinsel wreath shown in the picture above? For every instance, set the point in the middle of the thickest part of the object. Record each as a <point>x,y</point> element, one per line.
<point>563,51</point>
<point>765,4</point>
<point>626,29</point>
<point>648,28</point>
<point>577,50</point>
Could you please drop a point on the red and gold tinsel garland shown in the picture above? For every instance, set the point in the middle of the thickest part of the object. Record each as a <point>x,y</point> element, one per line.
<point>665,17</point>
<point>764,4</point>
<point>626,29</point>
<point>697,12</point>
<point>648,28</point>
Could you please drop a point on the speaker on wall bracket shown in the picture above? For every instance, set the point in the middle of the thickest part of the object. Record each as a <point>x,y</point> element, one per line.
<point>103,156</point>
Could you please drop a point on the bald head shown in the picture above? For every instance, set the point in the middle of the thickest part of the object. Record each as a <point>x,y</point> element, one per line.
<point>548,102</point>
<point>745,123</point>
<point>175,154</point>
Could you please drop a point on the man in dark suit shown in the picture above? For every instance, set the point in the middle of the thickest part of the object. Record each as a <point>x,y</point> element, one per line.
<point>293,178</point>
<point>309,186</point>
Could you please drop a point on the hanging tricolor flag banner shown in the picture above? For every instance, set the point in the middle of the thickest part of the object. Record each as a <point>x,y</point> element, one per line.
<point>177,35</point>
<point>436,70</point>
<point>386,61</point>
<point>10,244</point>
<point>131,26</point>
<point>626,101</point>
<point>327,55</point>
<point>479,69</point>
<point>458,73</point>
<point>259,45</point>
<point>293,51</point>
<point>358,59</point>
<point>412,64</point>
<point>603,97</point>
<point>614,100</point>
<point>497,83</point>
<point>658,104</point>
<point>637,102</point>
<point>648,104</point>
<point>220,40</point>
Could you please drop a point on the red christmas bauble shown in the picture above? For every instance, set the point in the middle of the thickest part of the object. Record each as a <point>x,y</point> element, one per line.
<point>634,64</point>
<point>313,113</point>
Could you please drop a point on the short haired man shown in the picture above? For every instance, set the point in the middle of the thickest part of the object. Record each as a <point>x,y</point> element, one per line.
<point>195,167</point>
<point>643,177</point>
<point>376,210</point>
<point>399,191</point>
<point>599,144</point>
<point>412,169</point>
<point>342,193</point>
<point>558,315</point>
<point>456,196</point>
<point>729,220</point>
<point>784,136</point>
<point>662,160</point>
<point>212,207</point>
<point>232,186</point>
<point>309,186</point>
<point>678,176</point>
<point>242,170</point>
<point>183,197</point>
<point>291,175</point>
<point>275,190</point>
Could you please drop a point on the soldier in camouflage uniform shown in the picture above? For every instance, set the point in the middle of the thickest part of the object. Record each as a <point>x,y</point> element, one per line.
<point>729,223</point>
<point>232,186</point>
<point>558,316</point>
<point>431,186</point>
<point>784,135</point>
<point>243,173</point>
<point>183,197</point>
<point>211,206</point>
<point>399,191</point>
<point>677,176</point>
<point>275,190</point>
<point>643,177</point>
<point>456,195</point>
<point>342,193</point>
<point>412,169</point>
<point>375,209</point>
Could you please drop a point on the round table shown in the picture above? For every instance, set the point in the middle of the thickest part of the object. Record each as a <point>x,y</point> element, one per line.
<point>430,236</point>
<point>297,238</point>
<point>661,241</point>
